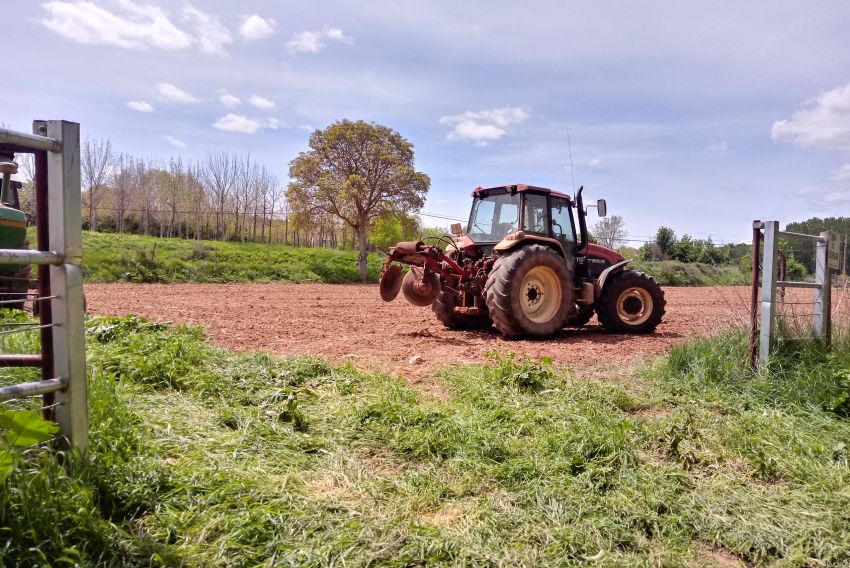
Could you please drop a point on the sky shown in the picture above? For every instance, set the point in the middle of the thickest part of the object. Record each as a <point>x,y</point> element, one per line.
<point>700,116</point>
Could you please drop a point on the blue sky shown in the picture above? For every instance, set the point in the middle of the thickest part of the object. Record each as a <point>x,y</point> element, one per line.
<point>696,115</point>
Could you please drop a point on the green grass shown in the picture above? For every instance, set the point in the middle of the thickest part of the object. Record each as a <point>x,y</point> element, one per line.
<point>108,257</point>
<point>201,457</point>
<point>675,273</point>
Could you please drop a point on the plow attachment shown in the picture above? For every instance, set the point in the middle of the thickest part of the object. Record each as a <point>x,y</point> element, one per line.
<point>423,282</point>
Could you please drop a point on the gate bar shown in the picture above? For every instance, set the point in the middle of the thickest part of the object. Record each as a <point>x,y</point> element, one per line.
<point>31,389</point>
<point>22,256</point>
<point>816,238</point>
<point>7,360</point>
<point>29,141</point>
<point>791,284</point>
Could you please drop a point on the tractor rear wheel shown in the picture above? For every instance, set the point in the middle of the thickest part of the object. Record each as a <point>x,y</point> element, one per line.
<point>529,292</point>
<point>444,308</point>
<point>632,303</point>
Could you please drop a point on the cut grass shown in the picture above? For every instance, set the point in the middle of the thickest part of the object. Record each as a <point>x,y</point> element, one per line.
<point>202,457</point>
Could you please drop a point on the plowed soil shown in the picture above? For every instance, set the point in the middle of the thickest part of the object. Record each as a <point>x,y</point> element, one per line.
<point>349,323</point>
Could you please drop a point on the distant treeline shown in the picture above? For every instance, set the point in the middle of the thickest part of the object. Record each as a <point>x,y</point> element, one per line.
<point>225,196</point>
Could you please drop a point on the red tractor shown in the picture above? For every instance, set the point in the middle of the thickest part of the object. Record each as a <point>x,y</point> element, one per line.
<point>524,267</point>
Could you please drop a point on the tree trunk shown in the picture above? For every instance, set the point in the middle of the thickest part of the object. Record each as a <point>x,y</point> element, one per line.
<point>361,258</point>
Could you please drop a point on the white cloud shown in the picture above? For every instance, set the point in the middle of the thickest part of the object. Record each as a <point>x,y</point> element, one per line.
<point>131,26</point>
<point>140,106</point>
<point>823,122</point>
<point>173,94</point>
<point>212,36</point>
<point>229,100</point>
<point>174,141</point>
<point>338,35</point>
<point>246,125</point>
<point>825,196</point>
<point>719,147</point>
<point>313,42</point>
<point>482,127</point>
<point>843,173</point>
<point>255,27</point>
<point>261,102</point>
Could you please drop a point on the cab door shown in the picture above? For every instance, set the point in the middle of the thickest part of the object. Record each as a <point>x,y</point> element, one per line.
<point>562,228</point>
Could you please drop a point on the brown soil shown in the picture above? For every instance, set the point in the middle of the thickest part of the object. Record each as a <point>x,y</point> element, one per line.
<point>349,323</point>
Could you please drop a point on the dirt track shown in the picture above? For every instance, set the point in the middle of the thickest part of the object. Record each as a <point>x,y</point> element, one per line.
<point>351,323</point>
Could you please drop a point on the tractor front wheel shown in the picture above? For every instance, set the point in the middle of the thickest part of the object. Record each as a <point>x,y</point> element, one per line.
<point>529,292</point>
<point>444,308</point>
<point>632,303</point>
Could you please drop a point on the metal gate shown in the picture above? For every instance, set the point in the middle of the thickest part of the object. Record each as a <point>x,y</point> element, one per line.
<point>764,311</point>
<point>55,145</point>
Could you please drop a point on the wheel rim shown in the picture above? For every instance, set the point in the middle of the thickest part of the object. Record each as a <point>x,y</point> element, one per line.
<point>634,306</point>
<point>540,295</point>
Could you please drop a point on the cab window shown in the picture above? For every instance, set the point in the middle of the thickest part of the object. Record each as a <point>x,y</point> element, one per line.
<point>535,217</point>
<point>562,222</point>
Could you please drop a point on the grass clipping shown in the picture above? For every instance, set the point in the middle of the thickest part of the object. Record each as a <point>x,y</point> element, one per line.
<point>202,457</point>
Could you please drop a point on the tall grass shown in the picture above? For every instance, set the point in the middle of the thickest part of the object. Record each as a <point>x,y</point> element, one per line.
<point>202,457</point>
<point>676,273</point>
<point>132,258</point>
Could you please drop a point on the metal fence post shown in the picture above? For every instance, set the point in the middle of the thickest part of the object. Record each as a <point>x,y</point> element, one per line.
<point>67,282</point>
<point>821,322</point>
<point>754,297</point>
<point>768,288</point>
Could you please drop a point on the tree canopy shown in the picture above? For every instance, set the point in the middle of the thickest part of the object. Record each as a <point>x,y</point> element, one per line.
<point>357,171</point>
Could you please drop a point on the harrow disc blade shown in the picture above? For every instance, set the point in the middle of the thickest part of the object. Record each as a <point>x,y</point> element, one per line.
<point>390,283</point>
<point>419,290</point>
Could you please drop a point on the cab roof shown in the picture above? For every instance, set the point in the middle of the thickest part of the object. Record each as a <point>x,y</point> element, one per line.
<point>521,187</point>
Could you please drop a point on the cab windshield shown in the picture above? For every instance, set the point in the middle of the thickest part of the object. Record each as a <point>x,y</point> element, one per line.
<point>493,217</point>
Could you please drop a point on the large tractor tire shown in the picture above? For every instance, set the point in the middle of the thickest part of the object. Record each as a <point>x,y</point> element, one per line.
<point>581,318</point>
<point>631,303</point>
<point>529,292</point>
<point>443,307</point>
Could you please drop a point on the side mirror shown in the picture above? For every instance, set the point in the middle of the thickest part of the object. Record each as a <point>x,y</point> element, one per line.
<point>457,230</point>
<point>601,207</point>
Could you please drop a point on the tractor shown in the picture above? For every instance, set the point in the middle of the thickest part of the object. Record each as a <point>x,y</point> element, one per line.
<point>14,278</point>
<point>525,267</point>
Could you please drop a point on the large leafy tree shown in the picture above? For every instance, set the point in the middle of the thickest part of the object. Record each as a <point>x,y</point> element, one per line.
<point>357,171</point>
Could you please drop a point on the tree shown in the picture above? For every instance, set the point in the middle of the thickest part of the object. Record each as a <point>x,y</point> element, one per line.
<point>611,231</point>
<point>219,173</point>
<point>356,171</point>
<point>96,168</point>
<point>665,238</point>
<point>122,188</point>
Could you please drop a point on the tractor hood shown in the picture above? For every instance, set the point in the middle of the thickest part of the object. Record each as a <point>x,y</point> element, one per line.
<point>466,245</point>
<point>606,254</point>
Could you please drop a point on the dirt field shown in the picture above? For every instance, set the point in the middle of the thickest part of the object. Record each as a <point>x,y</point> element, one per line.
<point>351,323</point>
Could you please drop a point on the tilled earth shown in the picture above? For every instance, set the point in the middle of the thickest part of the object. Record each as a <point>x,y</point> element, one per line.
<point>350,323</point>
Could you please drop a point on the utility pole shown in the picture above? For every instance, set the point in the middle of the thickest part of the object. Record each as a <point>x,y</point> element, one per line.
<point>844,260</point>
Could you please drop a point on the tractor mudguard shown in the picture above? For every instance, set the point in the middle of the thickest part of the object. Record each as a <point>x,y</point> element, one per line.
<point>523,238</point>
<point>611,270</point>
